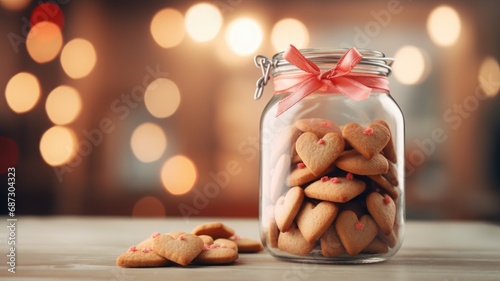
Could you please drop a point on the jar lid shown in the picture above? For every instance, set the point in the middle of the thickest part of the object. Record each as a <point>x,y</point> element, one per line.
<point>373,62</point>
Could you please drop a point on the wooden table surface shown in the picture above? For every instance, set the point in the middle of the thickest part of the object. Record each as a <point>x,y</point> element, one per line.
<point>85,248</point>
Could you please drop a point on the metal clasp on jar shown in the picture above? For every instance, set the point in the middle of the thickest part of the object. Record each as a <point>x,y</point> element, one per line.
<point>265,65</point>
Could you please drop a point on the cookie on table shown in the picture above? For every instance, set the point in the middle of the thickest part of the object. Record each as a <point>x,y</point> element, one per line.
<point>181,250</point>
<point>216,255</point>
<point>214,230</point>
<point>144,257</point>
<point>247,245</point>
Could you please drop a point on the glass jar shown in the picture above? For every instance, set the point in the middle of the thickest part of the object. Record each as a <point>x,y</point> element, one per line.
<point>332,157</point>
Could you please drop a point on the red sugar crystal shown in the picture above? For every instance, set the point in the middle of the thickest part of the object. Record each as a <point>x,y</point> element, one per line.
<point>349,176</point>
<point>360,225</point>
<point>387,199</point>
<point>321,141</point>
<point>132,249</point>
<point>301,165</point>
<point>368,131</point>
<point>323,179</point>
<point>335,180</point>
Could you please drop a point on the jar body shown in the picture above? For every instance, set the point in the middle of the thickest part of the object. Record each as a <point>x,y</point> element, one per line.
<point>332,179</point>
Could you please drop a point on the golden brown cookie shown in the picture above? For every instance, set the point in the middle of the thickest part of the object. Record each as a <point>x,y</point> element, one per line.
<point>318,126</point>
<point>386,186</point>
<point>144,257</point>
<point>383,210</point>
<point>331,245</point>
<point>273,233</point>
<point>318,154</point>
<point>214,229</point>
<point>247,245</point>
<point>335,189</point>
<point>313,220</point>
<point>287,207</point>
<point>353,162</point>
<point>389,150</point>
<point>367,141</point>
<point>181,250</point>
<point>294,242</point>
<point>227,243</point>
<point>214,254</point>
<point>355,233</point>
<point>377,246</point>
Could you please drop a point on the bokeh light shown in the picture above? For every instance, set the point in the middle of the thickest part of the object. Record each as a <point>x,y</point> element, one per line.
<point>47,12</point>
<point>410,66</point>
<point>489,76</point>
<point>443,26</point>
<point>22,92</point>
<point>244,36</point>
<point>178,174</point>
<point>148,206</point>
<point>14,5</point>
<point>203,21</point>
<point>63,105</point>
<point>78,58</point>
<point>44,41</point>
<point>162,98</point>
<point>58,145</point>
<point>289,31</point>
<point>148,142</point>
<point>10,153</point>
<point>167,28</point>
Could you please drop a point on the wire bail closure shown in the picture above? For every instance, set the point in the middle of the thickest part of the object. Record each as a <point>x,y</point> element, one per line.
<point>265,66</point>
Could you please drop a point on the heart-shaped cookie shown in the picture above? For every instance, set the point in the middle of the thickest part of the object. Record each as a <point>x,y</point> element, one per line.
<point>319,153</point>
<point>319,126</point>
<point>214,229</point>
<point>313,221</point>
<point>353,162</point>
<point>383,210</point>
<point>294,242</point>
<point>384,184</point>
<point>181,250</point>
<point>141,257</point>
<point>367,141</point>
<point>216,254</point>
<point>331,245</point>
<point>281,171</point>
<point>287,207</point>
<point>389,151</point>
<point>336,189</point>
<point>355,233</point>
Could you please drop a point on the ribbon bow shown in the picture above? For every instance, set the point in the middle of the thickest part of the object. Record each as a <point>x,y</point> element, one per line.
<point>337,80</point>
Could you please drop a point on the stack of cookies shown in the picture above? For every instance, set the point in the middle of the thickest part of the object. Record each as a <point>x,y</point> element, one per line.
<point>333,189</point>
<point>208,244</point>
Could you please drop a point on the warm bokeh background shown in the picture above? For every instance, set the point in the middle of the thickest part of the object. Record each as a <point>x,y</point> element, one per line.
<point>144,108</point>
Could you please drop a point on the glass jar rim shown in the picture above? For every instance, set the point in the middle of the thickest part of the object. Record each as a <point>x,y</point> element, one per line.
<point>373,62</point>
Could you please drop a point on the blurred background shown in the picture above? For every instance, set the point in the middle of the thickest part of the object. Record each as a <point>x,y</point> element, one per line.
<point>145,108</point>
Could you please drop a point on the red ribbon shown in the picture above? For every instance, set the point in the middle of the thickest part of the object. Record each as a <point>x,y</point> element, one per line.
<point>337,80</point>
